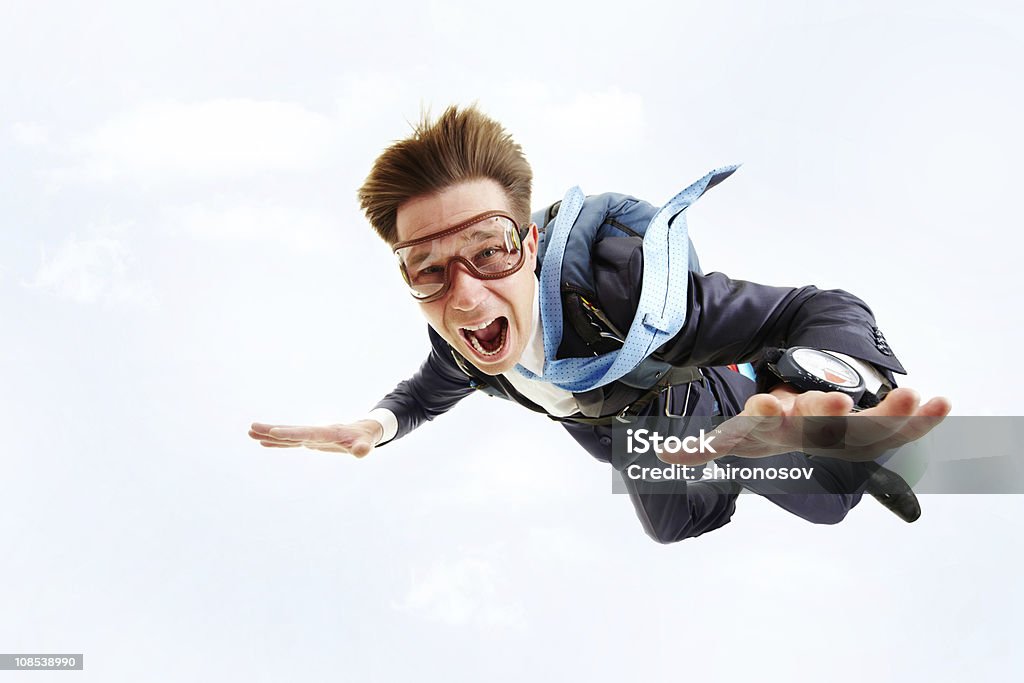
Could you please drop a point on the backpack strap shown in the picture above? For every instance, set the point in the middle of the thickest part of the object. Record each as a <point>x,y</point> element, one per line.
<point>662,308</point>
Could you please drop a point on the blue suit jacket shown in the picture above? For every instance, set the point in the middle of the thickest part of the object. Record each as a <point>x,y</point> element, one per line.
<point>728,321</point>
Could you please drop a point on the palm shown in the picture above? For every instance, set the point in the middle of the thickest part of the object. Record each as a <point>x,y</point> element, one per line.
<point>357,438</point>
<point>819,423</point>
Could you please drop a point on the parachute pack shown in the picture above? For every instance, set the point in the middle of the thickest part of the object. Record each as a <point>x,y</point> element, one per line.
<point>569,230</point>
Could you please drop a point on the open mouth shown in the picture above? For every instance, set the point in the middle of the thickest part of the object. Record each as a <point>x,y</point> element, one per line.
<point>487,339</point>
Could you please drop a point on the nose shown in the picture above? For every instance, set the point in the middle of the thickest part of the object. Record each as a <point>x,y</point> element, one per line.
<point>465,292</point>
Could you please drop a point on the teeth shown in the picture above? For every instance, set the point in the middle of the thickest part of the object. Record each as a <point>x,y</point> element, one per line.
<point>480,349</point>
<point>480,326</point>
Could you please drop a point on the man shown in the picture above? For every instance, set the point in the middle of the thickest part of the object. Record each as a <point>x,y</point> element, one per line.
<point>453,202</point>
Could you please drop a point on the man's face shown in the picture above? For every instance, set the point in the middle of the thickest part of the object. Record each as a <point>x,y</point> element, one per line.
<point>489,322</point>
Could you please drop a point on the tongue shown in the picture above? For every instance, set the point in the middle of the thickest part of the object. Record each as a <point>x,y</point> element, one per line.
<point>489,333</point>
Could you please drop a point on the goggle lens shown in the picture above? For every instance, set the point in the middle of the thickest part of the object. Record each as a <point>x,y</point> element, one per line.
<point>489,246</point>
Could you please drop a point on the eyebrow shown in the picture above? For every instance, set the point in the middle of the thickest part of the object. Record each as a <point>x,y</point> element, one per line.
<point>475,236</point>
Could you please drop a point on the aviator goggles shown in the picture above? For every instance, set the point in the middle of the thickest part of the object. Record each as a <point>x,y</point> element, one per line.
<point>489,245</point>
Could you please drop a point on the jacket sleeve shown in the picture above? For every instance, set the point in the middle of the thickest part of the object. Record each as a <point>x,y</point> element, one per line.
<point>437,386</point>
<point>733,321</point>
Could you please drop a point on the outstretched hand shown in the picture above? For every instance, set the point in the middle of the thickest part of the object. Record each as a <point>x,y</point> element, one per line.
<point>820,423</point>
<point>357,438</point>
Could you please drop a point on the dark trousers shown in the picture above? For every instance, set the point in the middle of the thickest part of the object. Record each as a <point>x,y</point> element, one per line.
<point>674,510</point>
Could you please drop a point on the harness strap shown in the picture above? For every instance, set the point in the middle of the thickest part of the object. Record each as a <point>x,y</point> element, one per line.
<point>674,377</point>
<point>662,308</point>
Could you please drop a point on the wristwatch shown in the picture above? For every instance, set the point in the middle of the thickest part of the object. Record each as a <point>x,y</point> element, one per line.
<point>810,369</point>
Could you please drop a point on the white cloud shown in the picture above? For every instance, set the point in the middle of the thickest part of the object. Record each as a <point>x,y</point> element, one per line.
<point>29,134</point>
<point>92,271</point>
<point>204,140</point>
<point>463,591</point>
<point>300,230</point>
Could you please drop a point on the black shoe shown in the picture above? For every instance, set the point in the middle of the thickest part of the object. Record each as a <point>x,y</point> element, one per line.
<point>892,491</point>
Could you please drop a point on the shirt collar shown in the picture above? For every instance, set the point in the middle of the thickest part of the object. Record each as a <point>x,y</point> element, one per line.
<point>533,355</point>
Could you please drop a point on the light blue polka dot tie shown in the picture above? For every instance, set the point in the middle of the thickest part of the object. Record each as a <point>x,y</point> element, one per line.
<point>662,310</point>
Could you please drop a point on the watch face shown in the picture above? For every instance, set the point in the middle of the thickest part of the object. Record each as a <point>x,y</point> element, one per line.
<point>827,367</point>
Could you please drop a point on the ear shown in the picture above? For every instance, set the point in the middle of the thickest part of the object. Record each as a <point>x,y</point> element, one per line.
<point>530,242</point>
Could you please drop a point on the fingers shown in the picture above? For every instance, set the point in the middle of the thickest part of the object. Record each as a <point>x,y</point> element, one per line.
<point>898,420</point>
<point>901,401</point>
<point>263,436</point>
<point>261,432</point>
<point>822,404</point>
<point>936,407</point>
<point>762,405</point>
<point>318,434</point>
<point>361,448</point>
<point>877,429</point>
<point>766,425</point>
<point>789,403</point>
<point>887,424</point>
<point>927,418</point>
<point>265,429</point>
<point>747,434</point>
<point>332,439</point>
<point>768,410</point>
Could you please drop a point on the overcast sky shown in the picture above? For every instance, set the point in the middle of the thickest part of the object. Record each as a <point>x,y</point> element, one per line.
<point>183,254</point>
